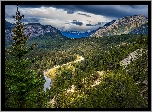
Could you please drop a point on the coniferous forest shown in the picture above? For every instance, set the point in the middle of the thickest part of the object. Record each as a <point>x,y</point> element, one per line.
<point>102,79</point>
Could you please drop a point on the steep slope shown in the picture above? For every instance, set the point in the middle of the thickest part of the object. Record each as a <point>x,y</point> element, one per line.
<point>121,26</point>
<point>109,23</point>
<point>36,29</point>
<point>80,83</point>
<point>143,29</point>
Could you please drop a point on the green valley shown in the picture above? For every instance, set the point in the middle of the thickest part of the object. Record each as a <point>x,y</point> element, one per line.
<point>118,87</point>
<point>103,70</point>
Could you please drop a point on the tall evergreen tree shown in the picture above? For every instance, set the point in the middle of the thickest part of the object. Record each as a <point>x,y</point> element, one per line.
<point>23,87</point>
<point>19,48</point>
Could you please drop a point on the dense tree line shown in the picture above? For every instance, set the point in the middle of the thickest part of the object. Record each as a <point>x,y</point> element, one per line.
<point>110,95</point>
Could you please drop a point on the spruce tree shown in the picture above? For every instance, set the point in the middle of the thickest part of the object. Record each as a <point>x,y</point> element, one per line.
<point>23,87</point>
<point>19,48</point>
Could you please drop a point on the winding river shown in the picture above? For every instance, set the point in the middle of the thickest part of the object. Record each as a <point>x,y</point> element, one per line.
<point>47,84</point>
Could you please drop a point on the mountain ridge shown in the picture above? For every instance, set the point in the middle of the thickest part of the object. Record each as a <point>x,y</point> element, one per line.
<point>36,29</point>
<point>122,25</point>
<point>137,24</point>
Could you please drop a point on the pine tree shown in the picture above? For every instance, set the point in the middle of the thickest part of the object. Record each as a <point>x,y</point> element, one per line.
<point>23,87</point>
<point>19,48</point>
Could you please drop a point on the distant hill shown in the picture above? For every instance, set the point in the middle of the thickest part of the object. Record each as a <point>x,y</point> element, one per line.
<point>123,25</point>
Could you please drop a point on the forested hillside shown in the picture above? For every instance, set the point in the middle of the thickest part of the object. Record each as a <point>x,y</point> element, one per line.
<point>100,54</point>
<point>112,74</point>
<point>118,88</point>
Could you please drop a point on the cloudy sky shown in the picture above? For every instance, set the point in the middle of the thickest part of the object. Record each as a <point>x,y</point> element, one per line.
<point>74,17</point>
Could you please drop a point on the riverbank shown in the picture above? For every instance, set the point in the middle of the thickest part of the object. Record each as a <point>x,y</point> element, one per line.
<point>50,74</point>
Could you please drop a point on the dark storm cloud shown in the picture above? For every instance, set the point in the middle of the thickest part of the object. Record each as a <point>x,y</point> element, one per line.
<point>99,23</point>
<point>89,25</point>
<point>77,22</point>
<point>84,14</point>
<point>30,20</point>
<point>79,13</point>
<point>136,6</point>
<point>70,11</point>
<point>30,6</point>
<point>116,11</point>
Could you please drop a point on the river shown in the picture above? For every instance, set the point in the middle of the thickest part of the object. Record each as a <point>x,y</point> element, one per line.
<point>47,84</point>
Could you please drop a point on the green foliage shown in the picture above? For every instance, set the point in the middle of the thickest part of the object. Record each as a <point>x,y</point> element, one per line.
<point>23,87</point>
<point>19,48</point>
<point>20,84</point>
<point>117,89</point>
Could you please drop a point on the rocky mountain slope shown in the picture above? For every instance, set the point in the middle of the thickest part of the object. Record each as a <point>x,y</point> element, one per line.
<point>136,24</point>
<point>109,23</point>
<point>36,29</point>
<point>123,25</point>
<point>143,29</point>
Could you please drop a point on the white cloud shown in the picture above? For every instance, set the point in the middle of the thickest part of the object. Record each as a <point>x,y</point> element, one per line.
<point>59,17</point>
<point>61,20</point>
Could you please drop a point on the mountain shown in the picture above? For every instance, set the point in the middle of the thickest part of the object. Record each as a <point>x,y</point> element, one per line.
<point>109,23</point>
<point>121,26</point>
<point>36,29</point>
<point>143,29</point>
<point>77,34</point>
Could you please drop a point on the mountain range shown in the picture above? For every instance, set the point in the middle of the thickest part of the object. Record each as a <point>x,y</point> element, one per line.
<point>36,29</point>
<point>125,25</point>
<point>136,24</point>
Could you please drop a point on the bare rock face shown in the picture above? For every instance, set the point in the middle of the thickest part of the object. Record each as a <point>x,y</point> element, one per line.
<point>38,29</point>
<point>121,26</point>
<point>131,57</point>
